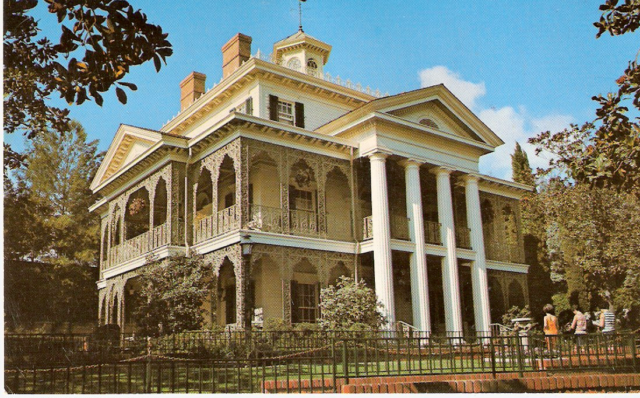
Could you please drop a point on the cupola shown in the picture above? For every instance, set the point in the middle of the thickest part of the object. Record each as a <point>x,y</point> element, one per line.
<point>303,53</point>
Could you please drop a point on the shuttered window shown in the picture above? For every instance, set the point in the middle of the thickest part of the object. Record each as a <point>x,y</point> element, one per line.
<point>286,112</point>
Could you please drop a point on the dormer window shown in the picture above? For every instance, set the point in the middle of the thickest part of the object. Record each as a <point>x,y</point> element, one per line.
<point>429,123</point>
<point>312,67</point>
<point>294,63</point>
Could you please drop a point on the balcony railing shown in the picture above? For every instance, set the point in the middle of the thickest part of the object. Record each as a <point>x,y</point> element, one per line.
<point>504,252</point>
<point>432,232</point>
<point>463,237</point>
<point>139,245</point>
<point>399,227</point>
<point>367,228</point>
<point>301,222</point>
<point>223,221</point>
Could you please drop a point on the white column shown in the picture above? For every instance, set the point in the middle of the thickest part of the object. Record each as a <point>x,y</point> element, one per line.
<point>418,259</point>
<point>382,236</point>
<point>479,266</point>
<point>450,280</point>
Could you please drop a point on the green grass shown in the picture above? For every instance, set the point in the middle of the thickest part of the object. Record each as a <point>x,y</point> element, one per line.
<point>130,378</point>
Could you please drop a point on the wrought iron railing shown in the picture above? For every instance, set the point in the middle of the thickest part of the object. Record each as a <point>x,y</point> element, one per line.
<point>463,237</point>
<point>432,232</point>
<point>399,227</point>
<point>293,361</point>
<point>139,245</point>
<point>301,222</point>
<point>267,219</point>
<point>367,228</point>
<point>504,252</point>
<point>223,221</point>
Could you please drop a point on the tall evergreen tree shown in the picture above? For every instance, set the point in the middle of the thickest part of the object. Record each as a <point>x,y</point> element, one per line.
<point>520,167</point>
<point>49,232</point>
<point>534,234</point>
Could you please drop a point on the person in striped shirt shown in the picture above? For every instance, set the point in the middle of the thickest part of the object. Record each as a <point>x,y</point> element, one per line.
<point>607,321</point>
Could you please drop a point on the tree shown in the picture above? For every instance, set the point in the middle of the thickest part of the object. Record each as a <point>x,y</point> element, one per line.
<point>534,234</point>
<point>172,293</point>
<point>605,152</point>
<point>349,304</point>
<point>101,40</point>
<point>521,170</point>
<point>594,243</point>
<point>47,221</point>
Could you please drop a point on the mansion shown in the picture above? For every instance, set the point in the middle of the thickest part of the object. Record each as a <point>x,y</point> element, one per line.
<point>285,178</point>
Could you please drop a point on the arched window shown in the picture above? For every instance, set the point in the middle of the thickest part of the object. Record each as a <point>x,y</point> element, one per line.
<point>294,63</point>
<point>160,204</point>
<point>312,67</point>
<point>429,123</point>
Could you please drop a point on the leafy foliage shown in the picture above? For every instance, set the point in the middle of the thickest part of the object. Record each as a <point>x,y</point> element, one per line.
<point>349,303</point>
<point>604,152</point>
<point>594,242</point>
<point>99,43</point>
<point>51,239</point>
<point>172,293</point>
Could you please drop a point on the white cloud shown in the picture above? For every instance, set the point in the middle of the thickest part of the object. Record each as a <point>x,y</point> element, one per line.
<point>467,92</point>
<point>509,123</point>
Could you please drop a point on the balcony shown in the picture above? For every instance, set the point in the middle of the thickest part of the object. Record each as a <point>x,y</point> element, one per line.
<point>400,229</point>
<point>139,245</point>
<point>463,237</point>
<point>432,232</point>
<point>510,252</point>
<point>301,222</point>
<point>223,221</point>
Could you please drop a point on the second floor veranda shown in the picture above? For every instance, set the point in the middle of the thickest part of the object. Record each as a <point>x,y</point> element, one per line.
<point>272,189</point>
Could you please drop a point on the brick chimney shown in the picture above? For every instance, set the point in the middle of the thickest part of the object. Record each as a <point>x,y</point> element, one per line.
<point>191,88</point>
<point>234,53</point>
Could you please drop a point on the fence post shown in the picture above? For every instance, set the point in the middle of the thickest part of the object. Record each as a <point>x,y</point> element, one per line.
<point>345,362</point>
<point>147,368</point>
<point>333,358</point>
<point>519,355</point>
<point>493,356</point>
<point>632,343</point>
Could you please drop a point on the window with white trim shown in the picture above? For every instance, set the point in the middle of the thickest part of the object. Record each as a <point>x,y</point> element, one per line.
<point>285,112</point>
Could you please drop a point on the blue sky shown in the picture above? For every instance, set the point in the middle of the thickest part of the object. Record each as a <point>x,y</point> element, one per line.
<point>522,67</point>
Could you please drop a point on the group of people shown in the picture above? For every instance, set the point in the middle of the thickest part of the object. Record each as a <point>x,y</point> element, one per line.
<point>606,322</point>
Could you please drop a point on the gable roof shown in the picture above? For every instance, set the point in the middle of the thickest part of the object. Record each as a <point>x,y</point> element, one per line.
<point>439,93</point>
<point>120,153</point>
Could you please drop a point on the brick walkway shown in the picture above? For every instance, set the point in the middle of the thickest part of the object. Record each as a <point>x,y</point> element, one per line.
<point>478,383</point>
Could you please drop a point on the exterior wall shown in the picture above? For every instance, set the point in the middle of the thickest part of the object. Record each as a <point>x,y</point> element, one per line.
<point>317,110</point>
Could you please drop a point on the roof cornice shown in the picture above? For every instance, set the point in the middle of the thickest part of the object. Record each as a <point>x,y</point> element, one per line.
<point>245,73</point>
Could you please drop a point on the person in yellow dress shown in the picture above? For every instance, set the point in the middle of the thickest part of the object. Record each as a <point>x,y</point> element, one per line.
<point>550,326</point>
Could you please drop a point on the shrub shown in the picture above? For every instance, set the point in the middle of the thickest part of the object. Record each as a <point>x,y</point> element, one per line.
<point>348,304</point>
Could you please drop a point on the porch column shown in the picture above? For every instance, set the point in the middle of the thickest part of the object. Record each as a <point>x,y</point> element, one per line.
<point>450,280</point>
<point>479,281</point>
<point>382,236</point>
<point>418,259</point>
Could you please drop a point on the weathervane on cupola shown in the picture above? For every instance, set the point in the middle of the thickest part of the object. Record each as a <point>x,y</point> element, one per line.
<point>300,14</point>
<point>301,52</point>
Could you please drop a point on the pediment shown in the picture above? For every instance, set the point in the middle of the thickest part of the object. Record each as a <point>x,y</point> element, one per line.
<point>128,144</point>
<point>447,116</point>
<point>435,115</point>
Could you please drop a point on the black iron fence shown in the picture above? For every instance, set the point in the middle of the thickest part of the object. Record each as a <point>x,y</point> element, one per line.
<point>294,361</point>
